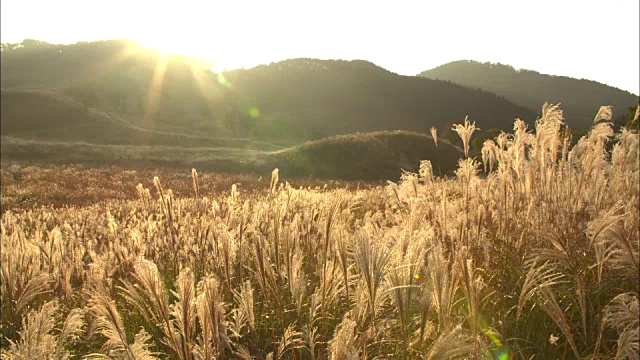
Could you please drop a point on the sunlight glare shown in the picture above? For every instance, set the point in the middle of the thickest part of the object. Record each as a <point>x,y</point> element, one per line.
<point>155,89</point>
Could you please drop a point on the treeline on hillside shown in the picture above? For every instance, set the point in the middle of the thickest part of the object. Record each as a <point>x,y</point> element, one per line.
<point>580,98</point>
<point>287,102</point>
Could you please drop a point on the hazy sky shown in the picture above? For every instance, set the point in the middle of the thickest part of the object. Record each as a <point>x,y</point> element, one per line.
<point>597,40</point>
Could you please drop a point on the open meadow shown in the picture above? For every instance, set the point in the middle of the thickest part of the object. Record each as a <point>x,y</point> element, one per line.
<point>531,253</point>
<point>28,186</point>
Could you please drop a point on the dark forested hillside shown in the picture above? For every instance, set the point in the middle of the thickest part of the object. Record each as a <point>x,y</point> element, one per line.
<point>580,98</point>
<point>284,103</point>
<point>370,156</point>
<point>316,98</point>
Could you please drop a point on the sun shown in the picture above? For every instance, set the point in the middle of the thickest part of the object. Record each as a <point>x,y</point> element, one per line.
<point>200,63</point>
<point>167,47</point>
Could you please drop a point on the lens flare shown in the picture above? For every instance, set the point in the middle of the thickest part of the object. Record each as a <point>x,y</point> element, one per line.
<point>254,113</point>
<point>496,348</point>
<point>223,80</point>
<point>499,353</point>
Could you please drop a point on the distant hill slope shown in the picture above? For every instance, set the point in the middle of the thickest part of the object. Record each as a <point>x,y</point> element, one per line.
<point>580,99</point>
<point>286,103</point>
<point>49,116</point>
<point>122,77</point>
<point>369,156</point>
<point>364,156</point>
<point>310,99</point>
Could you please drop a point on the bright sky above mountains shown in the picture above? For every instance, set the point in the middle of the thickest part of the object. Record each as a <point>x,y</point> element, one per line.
<point>593,39</point>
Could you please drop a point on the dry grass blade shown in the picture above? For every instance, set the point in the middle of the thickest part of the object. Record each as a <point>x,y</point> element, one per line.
<point>211,317</point>
<point>372,260</point>
<point>36,340</point>
<point>196,184</point>
<point>550,305</point>
<point>453,344</point>
<point>605,113</point>
<point>442,285</point>
<point>183,310</point>
<point>343,345</point>
<point>110,325</point>
<point>627,345</point>
<point>245,303</point>
<point>243,353</point>
<point>35,286</point>
<point>310,338</point>
<point>537,278</point>
<point>622,314</point>
<point>72,327</point>
<point>290,340</point>
<point>149,297</point>
<point>434,135</point>
<point>465,131</point>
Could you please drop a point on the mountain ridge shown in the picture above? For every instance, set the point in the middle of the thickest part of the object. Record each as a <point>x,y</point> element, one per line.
<point>286,102</point>
<point>579,98</point>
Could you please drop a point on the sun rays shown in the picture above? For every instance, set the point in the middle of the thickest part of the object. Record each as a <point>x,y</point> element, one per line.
<point>164,84</point>
<point>132,50</point>
<point>155,89</point>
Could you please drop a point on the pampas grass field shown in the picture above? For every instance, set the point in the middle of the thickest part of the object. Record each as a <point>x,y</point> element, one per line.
<point>536,259</point>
